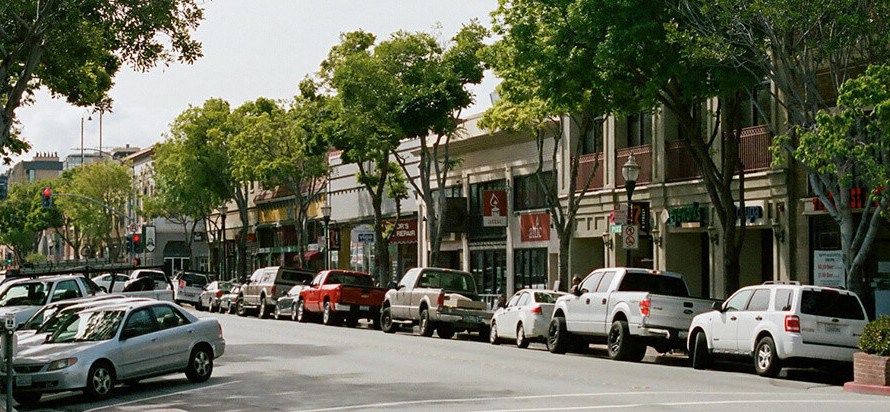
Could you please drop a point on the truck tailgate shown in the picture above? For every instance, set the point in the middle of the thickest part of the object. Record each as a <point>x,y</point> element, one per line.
<point>353,295</point>
<point>674,312</point>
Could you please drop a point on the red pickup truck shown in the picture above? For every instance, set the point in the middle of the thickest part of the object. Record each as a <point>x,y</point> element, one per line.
<point>340,295</point>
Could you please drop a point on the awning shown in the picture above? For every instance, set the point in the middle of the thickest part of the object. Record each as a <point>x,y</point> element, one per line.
<point>309,256</point>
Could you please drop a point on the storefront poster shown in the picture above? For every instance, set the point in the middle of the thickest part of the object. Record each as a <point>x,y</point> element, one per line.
<point>494,208</point>
<point>535,227</point>
<point>828,268</point>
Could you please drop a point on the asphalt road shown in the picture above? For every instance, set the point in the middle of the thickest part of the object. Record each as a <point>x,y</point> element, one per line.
<point>274,365</point>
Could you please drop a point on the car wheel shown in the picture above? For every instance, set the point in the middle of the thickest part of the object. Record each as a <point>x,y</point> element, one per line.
<point>557,336</point>
<point>521,340</point>
<point>241,310</point>
<point>445,330</point>
<point>426,325</point>
<point>277,313</point>
<point>493,333</point>
<point>100,381</point>
<point>302,316</point>
<point>232,308</point>
<point>200,365</point>
<point>293,313</point>
<point>27,398</point>
<point>701,357</point>
<point>199,306</point>
<point>262,311</point>
<point>386,323</point>
<point>328,317</point>
<point>766,360</point>
<point>621,345</point>
<point>375,320</point>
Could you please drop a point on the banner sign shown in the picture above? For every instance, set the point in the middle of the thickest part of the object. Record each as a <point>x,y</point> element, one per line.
<point>494,208</point>
<point>535,227</point>
<point>404,232</point>
<point>828,268</point>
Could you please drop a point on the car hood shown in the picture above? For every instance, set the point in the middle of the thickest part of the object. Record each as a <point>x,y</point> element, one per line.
<point>22,313</point>
<point>52,351</point>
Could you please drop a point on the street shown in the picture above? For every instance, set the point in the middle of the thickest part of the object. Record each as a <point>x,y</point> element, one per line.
<point>287,366</point>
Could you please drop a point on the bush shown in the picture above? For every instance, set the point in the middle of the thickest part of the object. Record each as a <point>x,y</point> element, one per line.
<point>875,339</point>
<point>35,257</point>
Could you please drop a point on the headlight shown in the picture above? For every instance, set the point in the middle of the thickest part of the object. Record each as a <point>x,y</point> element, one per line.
<point>61,364</point>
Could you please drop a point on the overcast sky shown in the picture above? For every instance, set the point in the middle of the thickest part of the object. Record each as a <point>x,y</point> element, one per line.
<point>251,49</point>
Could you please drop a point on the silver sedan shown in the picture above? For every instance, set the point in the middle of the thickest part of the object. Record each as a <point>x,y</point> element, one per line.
<point>94,349</point>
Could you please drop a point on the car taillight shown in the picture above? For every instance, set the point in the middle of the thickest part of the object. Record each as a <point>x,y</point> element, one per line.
<point>220,330</point>
<point>645,305</point>
<point>792,323</point>
<point>219,293</point>
<point>182,283</point>
<point>272,291</point>
<point>440,301</point>
<point>537,309</point>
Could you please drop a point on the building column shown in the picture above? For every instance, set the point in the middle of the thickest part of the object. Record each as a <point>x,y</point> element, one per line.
<point>511,273</point>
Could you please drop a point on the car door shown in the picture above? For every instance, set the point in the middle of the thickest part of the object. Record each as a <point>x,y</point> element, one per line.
<point>175,336</point>
<point>509,317</point>
<point>310,295</point>
<point>750,318</point>
<point>139,344</point>
<point>400,298</point>
<point>599,305</point>
<point>579,307</point>
<point>724,325</point>
<point>66,289</point>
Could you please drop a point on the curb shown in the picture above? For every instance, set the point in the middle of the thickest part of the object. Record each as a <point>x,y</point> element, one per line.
<point>867,389</point>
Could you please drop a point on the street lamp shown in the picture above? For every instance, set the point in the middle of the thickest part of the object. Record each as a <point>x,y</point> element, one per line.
<point>326,213</point>
<point>223,211</point>
<point>88,118</point>
<point>630,171</point>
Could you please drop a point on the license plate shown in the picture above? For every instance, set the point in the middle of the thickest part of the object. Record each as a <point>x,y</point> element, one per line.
<point>472,319</point>
<point>23,380</point>
<point>364,307</point>
<point>829,328</point>
<point>365,295</point>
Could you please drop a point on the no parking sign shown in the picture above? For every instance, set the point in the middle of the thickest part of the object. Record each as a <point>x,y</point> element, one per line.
<point>630,237</point>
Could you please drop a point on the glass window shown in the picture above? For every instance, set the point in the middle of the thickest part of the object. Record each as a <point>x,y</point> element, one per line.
<point>605,283</point>
<point>530,267</point>
<point>832,304</point>
<point>25,294</point>
<point>87,326</point>
<point>529,194</point>
<point>66,289</point>
<point>408,279</point>
<point>783,299</point>
<point>658,284</point>
<point>525,299</point>
<point>474,226</point>
<point>514,300</point>
<point>639,129</point>
<point>140,322</point>
<point>589,284</point>
<point>759,300</point>
<point>738,301</point>
<point>168,318</point>
<point>546,297</point>
<point>593,139</point>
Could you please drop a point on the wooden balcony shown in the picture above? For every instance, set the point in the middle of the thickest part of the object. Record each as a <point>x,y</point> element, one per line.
<point>643,156</point>
<point>678,162</point>
<point>586,166</point>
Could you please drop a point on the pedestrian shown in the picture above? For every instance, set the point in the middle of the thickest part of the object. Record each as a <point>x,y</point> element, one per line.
<point>576,280</point>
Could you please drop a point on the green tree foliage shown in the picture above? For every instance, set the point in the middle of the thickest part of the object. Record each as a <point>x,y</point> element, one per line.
<point>108,182</point>
<point>285,147</point>
<point>20,219</point>
<point>74,48</point>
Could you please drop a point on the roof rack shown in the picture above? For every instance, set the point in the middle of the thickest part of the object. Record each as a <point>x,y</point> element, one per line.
<point>781,282</point>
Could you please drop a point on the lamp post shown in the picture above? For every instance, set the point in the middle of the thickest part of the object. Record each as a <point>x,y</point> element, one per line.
<point>630,171</point>
<point>223,263</point>
<point>326,213</point>
<point>88,118</point>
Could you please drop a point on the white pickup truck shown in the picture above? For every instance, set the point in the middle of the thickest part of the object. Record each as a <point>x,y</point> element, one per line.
<point>629,309</point>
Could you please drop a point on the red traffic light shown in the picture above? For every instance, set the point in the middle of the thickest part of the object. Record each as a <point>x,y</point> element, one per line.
<point>136,238</point>
<point>47,192</point>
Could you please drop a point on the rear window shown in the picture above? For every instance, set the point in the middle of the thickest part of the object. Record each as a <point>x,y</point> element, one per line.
<point>657,284</point>
<point>192,279</point>
<point>350,279</point>
<point>831,304</point>
<point>296,277</point>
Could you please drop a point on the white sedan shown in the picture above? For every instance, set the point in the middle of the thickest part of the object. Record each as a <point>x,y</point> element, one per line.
<point>525,317</point>
<point>105,282</point>
<point>96,348</point>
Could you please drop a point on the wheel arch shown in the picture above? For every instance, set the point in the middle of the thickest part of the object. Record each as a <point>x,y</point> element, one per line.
<point>204,345</point>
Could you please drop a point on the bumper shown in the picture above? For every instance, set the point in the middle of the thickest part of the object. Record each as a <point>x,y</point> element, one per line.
<point>794,347</point>
<point>537,328</point>
<point>73,377</point>
<point>219,348</point>
<point>356,310</point>
<point>473,320</point>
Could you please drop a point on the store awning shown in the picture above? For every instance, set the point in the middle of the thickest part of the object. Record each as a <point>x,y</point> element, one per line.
<point>310,255</point>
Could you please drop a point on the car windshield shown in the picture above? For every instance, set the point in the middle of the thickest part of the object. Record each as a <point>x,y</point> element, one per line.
<point>52,322</point>
<point>87,326</point>
<point>25,294</point>
<point>37,320</point>
<point>545,297</point>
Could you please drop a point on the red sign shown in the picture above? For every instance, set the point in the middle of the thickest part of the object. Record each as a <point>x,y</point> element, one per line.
<point>494,208</point>
<point>404,232</point>
<point>535,227</point>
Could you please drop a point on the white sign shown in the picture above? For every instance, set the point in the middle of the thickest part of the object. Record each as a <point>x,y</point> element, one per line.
<point>631,237</point>
<point>150,238</point>
<point>618,216</point>
<point>10,321</point>
<point>365,237</point>
<point>828,268</point>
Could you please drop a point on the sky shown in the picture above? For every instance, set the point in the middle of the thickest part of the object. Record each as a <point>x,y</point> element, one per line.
<point>256,48</point>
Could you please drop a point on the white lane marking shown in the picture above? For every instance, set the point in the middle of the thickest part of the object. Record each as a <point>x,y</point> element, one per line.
<point>698,403</point>
<point>160,396</point>
<point>566,395</point>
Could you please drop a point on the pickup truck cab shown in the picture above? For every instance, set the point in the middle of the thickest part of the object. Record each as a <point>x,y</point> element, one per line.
<point>628,308</point>
<point>444,301</point>
<point>340,295</point>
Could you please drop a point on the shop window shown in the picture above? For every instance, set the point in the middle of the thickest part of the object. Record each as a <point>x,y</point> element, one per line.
<point>593,139</point>
<point>639,129</point>
<point>489,268</point>
<point>475,229</point>
<point>530,267</point>
<point>528,193</point>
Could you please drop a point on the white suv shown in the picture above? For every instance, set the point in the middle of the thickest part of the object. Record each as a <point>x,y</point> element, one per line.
<point>779,323</point>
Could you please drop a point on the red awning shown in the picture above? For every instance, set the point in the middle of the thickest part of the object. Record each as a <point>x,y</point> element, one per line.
<point>310,255</point>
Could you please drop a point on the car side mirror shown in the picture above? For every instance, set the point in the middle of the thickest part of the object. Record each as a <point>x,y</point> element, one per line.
<point>718,306</point>
<point>392,285</point>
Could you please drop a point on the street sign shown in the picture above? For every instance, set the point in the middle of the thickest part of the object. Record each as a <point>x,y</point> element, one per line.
<point>618,216</point>
<point>149,238</point>
<point>615,229</point>
<point>631,237</point>
<point>365,237</point>
<point>133,228</point>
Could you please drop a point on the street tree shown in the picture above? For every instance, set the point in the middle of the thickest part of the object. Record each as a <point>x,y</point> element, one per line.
<point>205,134</point>
<point>20,223</point>
<point>808,52</point>
<point>587,57</point>
<point>107,182</point>
<point>285,147</point>
<point>74,48</point>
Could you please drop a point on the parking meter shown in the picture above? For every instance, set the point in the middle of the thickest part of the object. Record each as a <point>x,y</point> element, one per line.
<point>8,343</point>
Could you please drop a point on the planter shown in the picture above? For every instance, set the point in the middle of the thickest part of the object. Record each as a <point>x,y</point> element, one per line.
<point>871,369</point>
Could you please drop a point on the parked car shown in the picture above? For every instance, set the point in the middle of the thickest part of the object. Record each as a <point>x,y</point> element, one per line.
<point>95,349</point>
<point>287,304</point>
<point>212,293</point>
<point>228,303</point>
<point>525,318</point>
<point>48,311</point>
<point>161,281</point>
<point>24,297</point>
<point>341,295</point>
<point>187,288</point>
<point>35,331</point>
<point>266,285</point>
<point>439,300</point>
<point>104,281</point>
<point>776,324</point>
<point>628,308</point>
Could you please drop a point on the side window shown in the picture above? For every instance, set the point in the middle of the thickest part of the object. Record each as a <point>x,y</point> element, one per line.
<point>738,301</point>
<point>92,288</point>
<point>589,284</point>
<point>317,280</point>
<point>66,289</point>
<point>524,300</point>
<point>168,318</point>
<point>268,276</point>
<point>140,322</point>
<point>255,277</point>
<point>759,300</point>
<point>408,280</point>
<point>425,280</point>
<point>514,300</point>
<point>783,300</point>
<point>606,282</point>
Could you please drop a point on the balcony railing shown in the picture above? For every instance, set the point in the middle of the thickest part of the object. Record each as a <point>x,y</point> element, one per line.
<point>679,162</point>
<point>643,156</point>
<point>754,148</point>
<point>586,166</point>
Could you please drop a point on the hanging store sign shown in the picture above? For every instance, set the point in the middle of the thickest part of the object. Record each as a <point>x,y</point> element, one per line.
<point>688,216</point>
<point>494,208</point>
<point>828,268</point>
<point>535,227</point>
<point>404,232</point>
<point>753,213</point>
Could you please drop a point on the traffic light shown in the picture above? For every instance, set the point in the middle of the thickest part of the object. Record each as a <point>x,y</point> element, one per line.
<point>137,243</point>
<point>129,241</point>
<point>8,259</point>
<point>136,262</point>
<point>47,194</point>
